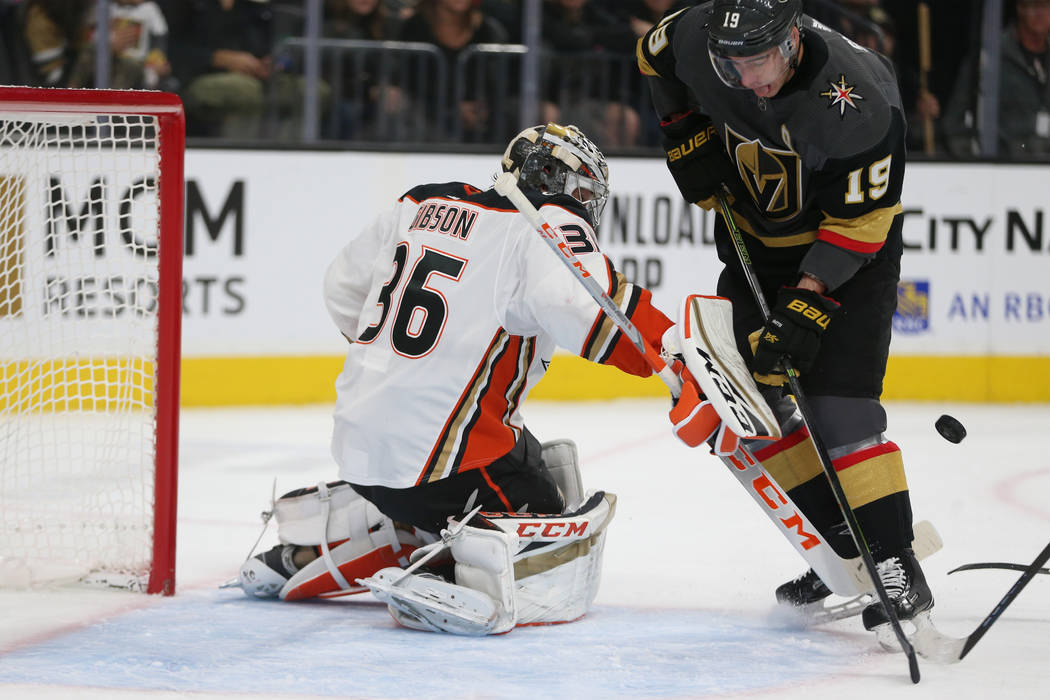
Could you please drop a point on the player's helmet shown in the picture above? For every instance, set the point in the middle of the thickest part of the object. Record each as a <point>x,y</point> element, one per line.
<point>560,159</point>
<point>740,28</point>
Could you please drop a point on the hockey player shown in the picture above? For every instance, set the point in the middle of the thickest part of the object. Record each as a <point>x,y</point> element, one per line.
<point>805,130</point>
<point>453,306</point>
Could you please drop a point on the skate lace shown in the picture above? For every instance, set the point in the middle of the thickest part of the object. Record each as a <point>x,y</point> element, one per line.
<point>804,576</point>
<point>893,576</point>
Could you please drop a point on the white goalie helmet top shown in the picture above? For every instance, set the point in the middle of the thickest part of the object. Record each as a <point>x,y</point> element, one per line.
<point>560,159</point>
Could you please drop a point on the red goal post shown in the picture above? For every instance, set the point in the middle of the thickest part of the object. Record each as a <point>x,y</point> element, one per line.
<point>91,227</point>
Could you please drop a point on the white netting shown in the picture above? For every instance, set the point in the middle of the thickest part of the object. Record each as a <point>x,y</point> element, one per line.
<point>79,217</point>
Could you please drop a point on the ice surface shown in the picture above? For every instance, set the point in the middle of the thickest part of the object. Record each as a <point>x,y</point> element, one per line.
<point>685,608</point>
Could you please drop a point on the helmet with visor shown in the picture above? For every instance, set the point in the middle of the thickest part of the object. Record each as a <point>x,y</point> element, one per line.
<point>748,38</point>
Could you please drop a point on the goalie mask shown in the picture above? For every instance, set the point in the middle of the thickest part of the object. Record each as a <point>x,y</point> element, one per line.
<point>559,159</point>
<point>753,37</point>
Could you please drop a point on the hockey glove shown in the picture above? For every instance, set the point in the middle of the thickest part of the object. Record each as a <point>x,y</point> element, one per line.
<point>794,328</point>
<point>696,158</point>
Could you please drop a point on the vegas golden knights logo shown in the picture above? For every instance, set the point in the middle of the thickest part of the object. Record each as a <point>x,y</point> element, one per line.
<point>772,176</point>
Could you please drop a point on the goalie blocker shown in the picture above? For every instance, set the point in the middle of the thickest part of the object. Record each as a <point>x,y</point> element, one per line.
<point>733,417</point>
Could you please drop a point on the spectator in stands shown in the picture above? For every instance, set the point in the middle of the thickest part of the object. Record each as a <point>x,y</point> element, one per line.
<point>221,54</point>
<point>920,104</point>
<point>453,25</point>
<point>138,38</point>
<point>55,32</point>
<point>848,17</point>
<point>15,64</point>
<point>507,13</point>
<point>1024,91</point>
<point>592,80</point>
<point>402,9</point>
<point>364,96</point>
<point>641,15</point>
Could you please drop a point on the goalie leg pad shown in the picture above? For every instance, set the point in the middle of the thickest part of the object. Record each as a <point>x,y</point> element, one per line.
<point>480,602</point>
<point>559,583</point>
<point>532,569</point>
<point>563,463</point>
<point>328,512</point>
<point>431,604</point>
<point>335,513</point>
<point>557,569</point>
<point>331,576</point>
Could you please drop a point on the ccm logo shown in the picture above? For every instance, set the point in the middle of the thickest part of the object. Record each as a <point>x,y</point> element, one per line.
<point>560,529</point>
<point>696,141</point>
<point>811,312</point>
<point>774,500</point>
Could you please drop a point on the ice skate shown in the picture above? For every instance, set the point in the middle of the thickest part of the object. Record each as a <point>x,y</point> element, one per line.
<point>807,595</point>
<point>907,590</point>
<point>263,575</point>
<point>802,591</point>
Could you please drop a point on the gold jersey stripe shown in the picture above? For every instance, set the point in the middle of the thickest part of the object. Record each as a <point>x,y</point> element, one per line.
<point>874,478</point>
<point>795,465</point>
<point>643,63</point>
<point>804,238</point>
<point>869,228</point>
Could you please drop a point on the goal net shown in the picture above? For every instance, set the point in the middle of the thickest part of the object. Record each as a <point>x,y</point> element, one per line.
<point>91,207</point>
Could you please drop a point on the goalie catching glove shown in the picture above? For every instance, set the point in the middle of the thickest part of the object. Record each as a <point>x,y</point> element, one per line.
<point>695,158</point>
<point>794,328</point>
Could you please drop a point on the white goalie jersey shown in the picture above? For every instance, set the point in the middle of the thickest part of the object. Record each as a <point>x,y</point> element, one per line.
<point>454,306</point>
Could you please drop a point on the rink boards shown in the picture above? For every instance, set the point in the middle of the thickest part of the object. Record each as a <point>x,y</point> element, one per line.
<point>973,320</point>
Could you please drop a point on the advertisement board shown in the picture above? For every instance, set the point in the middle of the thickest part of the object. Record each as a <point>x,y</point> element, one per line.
<point>262,226</point>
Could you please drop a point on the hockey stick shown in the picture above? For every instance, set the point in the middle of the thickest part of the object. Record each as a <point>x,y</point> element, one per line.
<point>996,565</point>
<point>947,649</point>
<point>507,185</point>
<point>822,453</point>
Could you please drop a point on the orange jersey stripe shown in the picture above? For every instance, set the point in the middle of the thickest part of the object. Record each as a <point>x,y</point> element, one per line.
<point>490,434</point>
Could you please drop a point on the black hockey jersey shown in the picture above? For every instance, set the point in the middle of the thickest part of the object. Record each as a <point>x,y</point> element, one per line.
<point>820,165</point>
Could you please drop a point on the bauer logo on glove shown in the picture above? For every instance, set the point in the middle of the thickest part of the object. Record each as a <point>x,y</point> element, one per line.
<point>795,326</point>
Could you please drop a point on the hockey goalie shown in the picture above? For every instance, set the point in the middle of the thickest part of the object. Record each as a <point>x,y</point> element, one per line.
<point>448,508</point>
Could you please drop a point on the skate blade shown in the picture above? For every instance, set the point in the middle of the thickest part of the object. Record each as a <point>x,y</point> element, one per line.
<point>819,613</point>
<point>232,583</point>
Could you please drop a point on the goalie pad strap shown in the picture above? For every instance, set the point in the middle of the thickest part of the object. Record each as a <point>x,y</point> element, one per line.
<point>326,553</point>
<point>334,513</point>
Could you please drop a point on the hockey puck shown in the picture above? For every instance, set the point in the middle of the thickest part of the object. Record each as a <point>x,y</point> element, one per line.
<point>950,429</point>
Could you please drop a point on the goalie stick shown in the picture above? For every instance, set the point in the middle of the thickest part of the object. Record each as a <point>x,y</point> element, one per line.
<point>934,645</point>
<point>507,186</point>
<point>825,461</point>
